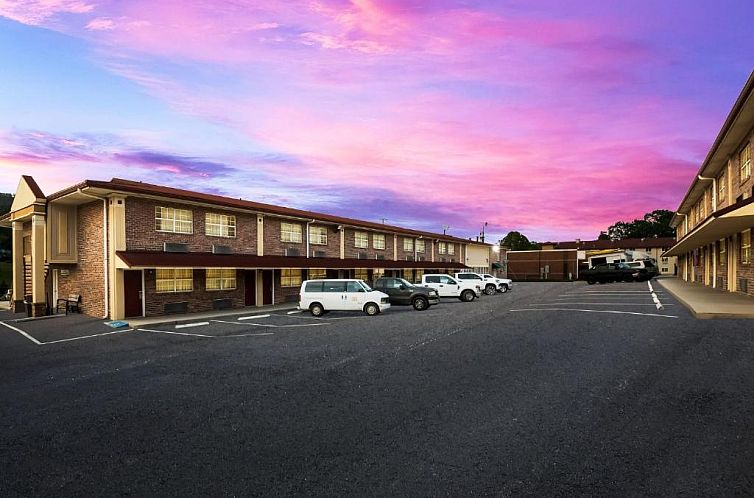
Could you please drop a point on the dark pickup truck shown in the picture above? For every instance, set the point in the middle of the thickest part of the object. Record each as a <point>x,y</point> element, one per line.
<point>609,272</point>
<point>404,293</point>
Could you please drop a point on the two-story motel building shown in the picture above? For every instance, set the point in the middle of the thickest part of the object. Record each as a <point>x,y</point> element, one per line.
<point>713,222</point>
<point>133,249</point>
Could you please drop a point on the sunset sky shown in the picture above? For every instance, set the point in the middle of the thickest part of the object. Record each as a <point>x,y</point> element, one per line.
<point>555,118</point>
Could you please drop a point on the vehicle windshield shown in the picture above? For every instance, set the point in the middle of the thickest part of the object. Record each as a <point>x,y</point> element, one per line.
<point>404,282</point>
<point>365,285</point>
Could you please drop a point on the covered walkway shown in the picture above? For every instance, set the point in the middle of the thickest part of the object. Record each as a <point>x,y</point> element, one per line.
<point>706,302</point>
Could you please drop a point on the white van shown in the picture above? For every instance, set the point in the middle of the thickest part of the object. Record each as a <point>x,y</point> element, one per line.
<point>321,296</point>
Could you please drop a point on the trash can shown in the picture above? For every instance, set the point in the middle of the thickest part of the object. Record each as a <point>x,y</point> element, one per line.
<point>27,303</point>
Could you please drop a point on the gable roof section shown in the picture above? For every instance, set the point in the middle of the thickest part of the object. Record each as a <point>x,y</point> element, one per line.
<point>136,188</point>
<point>27,193</point>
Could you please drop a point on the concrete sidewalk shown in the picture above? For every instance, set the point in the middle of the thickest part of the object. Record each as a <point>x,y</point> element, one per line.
<point>198,317</point>
<point>706,302</point>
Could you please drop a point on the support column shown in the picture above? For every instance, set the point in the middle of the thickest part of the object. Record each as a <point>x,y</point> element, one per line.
<point>38,298</point>
<point>342,243</point>
<point>116,228</point>
<point>260,235</point>
<point>18,267</point>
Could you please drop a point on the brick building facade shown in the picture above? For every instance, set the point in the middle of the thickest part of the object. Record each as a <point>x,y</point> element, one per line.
<point>714,220</point>
<point>132,249</point>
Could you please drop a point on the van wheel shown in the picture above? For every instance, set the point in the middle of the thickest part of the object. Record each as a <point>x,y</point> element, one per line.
<point>371,309</point>
<point>316,309</point>
<point>467,296</point>
<point>489,289</point>
<point>504,288</point>
<point>420,304</point>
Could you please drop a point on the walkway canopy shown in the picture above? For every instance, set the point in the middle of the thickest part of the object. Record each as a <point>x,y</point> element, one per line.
<point>720,224</point>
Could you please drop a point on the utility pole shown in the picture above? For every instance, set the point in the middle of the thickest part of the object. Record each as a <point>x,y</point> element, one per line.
<point>445,228</point>
<point>383,220</point>
<point>485,224</point>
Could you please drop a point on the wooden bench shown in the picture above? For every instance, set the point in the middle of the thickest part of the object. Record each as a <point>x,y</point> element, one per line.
<point>72,303</point>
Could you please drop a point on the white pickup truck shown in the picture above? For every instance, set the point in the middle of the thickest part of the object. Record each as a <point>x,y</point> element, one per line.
<point>447,286</point>
<point>486,282</point>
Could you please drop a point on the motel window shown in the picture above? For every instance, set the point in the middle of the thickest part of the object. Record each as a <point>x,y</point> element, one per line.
<point>316,273</point>
<point>451,248</point>
<point>419,274</point>
<point>318,236</point>
<point>744,162</point>
<point>378,241</point>
<point>721,251</point>
<point>378,273</point>
<point>722,187</point>
<point>408,244</point>
<point>221,279</point>
<point>290,277</point>
<point>362,274</point>
<point>420,245</point>
<point>168,219</point>
<point>746,246</point>
<point>442,248</point>
<point>220,225</point>
<point>291,232</point>
<point>172,280</point>
<point>361,240</point>
<point>408,275</point>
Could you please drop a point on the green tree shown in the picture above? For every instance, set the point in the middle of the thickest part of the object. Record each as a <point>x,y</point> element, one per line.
<point>653,224</point>
<point>518,242</point>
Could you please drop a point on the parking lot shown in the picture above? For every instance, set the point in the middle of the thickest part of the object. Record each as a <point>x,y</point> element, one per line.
<point>553,388</point>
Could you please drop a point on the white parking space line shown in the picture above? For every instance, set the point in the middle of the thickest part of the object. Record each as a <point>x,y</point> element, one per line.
<point>294,312</point>
<point>22,333</point>
<point>271,326</point>
<point>654,296</point>
<point>596,311</point>
<point>173,333</point>
<point>88,336</point>
<point>189,325</point>
<point>598,304</point>
<point>252,317</point>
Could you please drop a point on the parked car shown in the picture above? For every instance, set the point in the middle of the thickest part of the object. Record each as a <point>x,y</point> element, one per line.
<point>321,296</point>
<point>488,285</point>
<point>447,286</point>
<point>503,284</point>
<point>609,272</point>
<point>404,293</point>
<point>647,269</point>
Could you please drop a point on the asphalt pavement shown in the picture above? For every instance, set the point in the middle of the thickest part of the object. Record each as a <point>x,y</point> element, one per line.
<point>553,389</point>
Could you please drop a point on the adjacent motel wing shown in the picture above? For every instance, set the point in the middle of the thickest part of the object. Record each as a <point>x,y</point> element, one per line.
<point>132,249</point>
<point>713,222</point>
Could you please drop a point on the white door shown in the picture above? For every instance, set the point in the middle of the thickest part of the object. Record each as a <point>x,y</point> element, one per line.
<point>355,296</point>
<point>332,297</point>
<point>448,287</point>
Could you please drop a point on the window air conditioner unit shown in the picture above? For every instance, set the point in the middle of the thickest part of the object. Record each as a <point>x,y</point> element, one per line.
<point>421,258</point>
<point>174,247</point>
<point>409,258</point>
<point>320,254</point>
<point>743,285</point>
<point>362,255</point>
<point>291,251</point>
<point>380,257</point>
<point>221,249</point>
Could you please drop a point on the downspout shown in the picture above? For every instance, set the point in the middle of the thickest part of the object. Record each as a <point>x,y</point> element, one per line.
<point>714,190</point>
<point>307,236</point>
<point>105,257</point>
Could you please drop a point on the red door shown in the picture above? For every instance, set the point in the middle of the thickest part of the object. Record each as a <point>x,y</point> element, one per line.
<point>132,293</point>
<point>266,286</point>
<point>250,282</point>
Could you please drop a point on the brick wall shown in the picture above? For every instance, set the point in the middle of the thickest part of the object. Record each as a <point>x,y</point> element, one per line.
<point>744,270</point>
<point>141,234</point>
<point>273,246</point>
<point>352,251</point>
<point>87,277</point>
<point>199,299</point>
